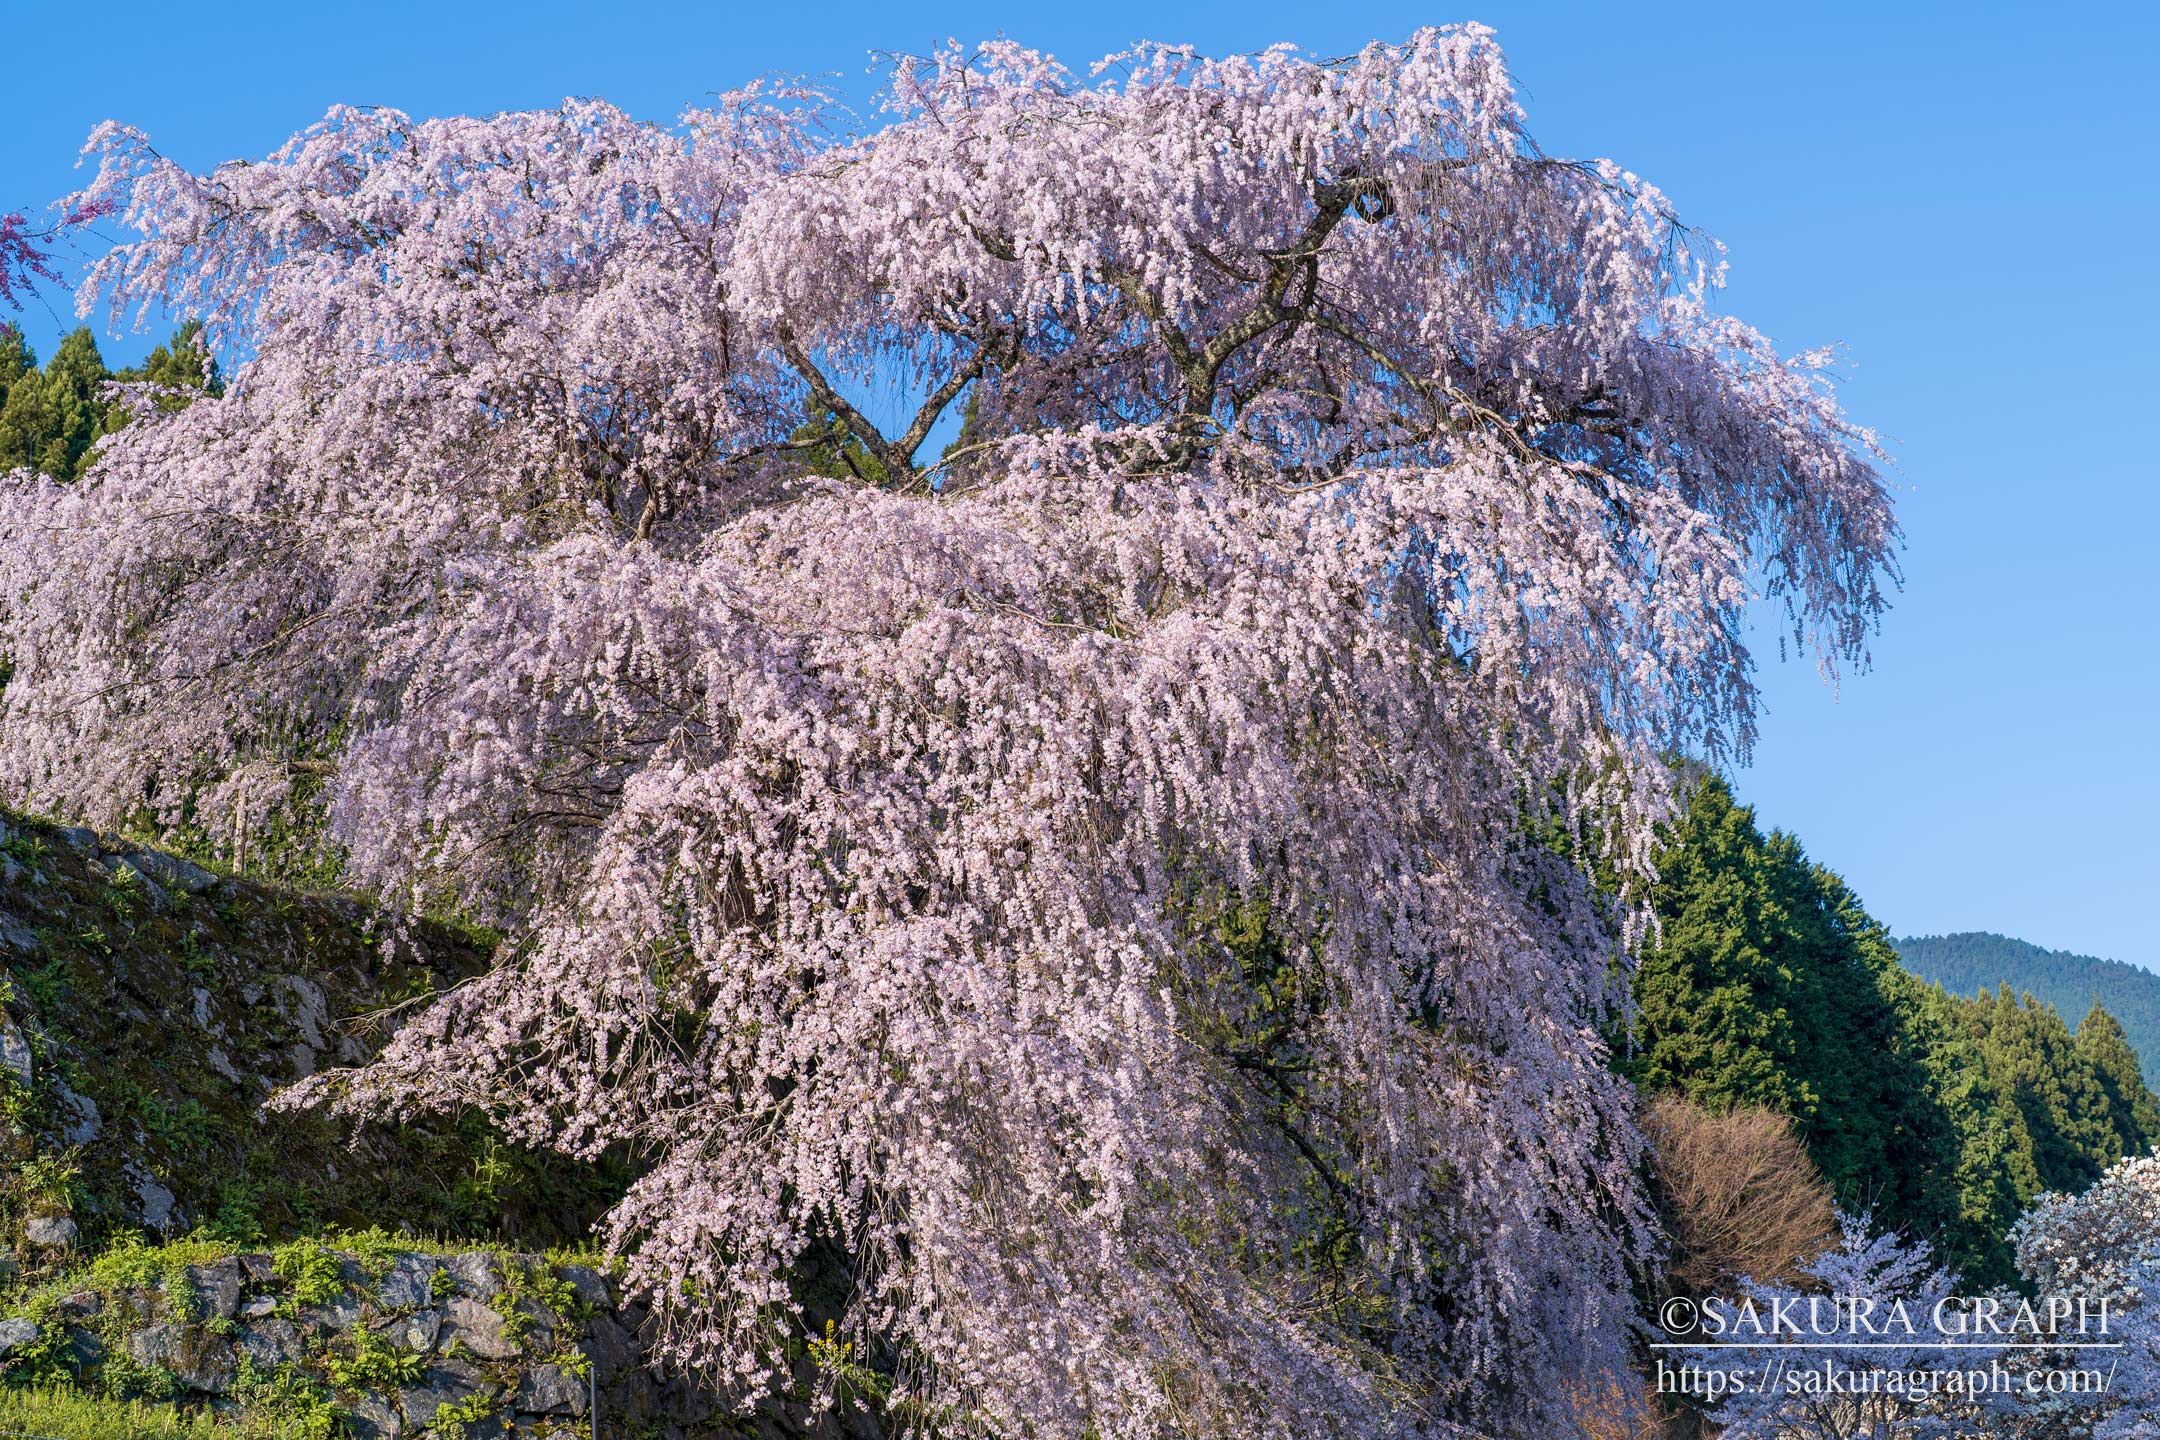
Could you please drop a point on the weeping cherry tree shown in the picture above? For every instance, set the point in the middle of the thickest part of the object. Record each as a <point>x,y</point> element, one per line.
<point>1034,687</point>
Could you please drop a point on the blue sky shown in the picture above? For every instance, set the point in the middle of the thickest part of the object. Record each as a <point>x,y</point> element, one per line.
<point>1962,195</point>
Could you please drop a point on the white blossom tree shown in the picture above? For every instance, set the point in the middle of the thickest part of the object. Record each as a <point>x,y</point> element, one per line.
<point>1119,880</point>
<point>1857,1350</point>
<point>2102,1245</point>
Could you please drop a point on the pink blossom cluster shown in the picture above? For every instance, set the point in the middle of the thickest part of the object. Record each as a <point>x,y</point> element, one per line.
<point>1870,1344</point>
<point>25,254</point>
<point>1120,882</point>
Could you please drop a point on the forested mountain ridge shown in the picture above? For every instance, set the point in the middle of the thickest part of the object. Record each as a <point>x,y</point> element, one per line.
<point>1973,960</point>
<point>1945,1116</point>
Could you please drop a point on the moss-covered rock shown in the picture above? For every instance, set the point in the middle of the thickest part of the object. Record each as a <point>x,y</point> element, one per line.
<point>371,1337</point>
<point>152,1005</point>
<point>149,1007</point>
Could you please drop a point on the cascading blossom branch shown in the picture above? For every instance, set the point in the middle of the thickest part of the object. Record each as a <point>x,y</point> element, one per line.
<point>26,254</point>
<point>1110,888</point>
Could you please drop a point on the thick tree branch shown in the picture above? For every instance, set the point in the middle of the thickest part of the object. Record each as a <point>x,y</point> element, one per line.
<point>889,455</point>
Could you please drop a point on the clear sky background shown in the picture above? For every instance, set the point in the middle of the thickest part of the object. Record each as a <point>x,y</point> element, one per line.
<point>1963,195</point>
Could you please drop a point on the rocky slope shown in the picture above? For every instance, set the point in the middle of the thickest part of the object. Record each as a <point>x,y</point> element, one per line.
<point>163,1236</point>
<point>378,1341</point>
<point>151,1006</point>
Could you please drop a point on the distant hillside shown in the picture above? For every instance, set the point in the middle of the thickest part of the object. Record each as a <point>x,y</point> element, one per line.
<point>1974,960</point>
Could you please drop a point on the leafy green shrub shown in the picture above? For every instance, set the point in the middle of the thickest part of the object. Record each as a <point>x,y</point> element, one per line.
<point>284,1402</point>
<point>310,1270</point>
<point>46,986</point>
<point>452,1421</point>
<point>52,1178</point>
<point>123,895</point>
<point>127,1376</point>
<point>374,1364</point>
<point>132,1263</point>
<point>375,1248</point>
<point>539,1283</point>
<point>239,1212</point>
<point>44,1361</point>
<point>193,957</point>
<point>17,1107</point>
<point>24,847</point>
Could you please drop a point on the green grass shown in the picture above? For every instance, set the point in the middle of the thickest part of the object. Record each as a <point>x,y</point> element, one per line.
<point>131,1262</point>
<point>73,1415</point>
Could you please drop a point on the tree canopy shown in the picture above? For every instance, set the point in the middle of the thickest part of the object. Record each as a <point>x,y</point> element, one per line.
<point>1973,961</point>
<point>1771,986</point>
<point>1096,881</point>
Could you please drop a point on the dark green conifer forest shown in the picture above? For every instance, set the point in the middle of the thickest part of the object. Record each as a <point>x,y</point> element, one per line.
<point>52,418</point>
<point>1972,961</point>
<point>1772,986</point>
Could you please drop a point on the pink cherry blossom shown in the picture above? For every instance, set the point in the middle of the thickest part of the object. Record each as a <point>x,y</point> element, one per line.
<point>1356,513</point>
<point>26,255</point>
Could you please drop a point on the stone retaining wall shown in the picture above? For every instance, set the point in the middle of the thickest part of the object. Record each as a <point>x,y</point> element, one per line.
<point>471,1345</point>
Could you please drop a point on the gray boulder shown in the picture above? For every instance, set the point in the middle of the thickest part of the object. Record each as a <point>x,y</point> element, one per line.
<point>81,1122</point>
<point>300,1003</point>
<point>155,1200</point>
<point>271,1343</point>
<point>551,1390</point>
<point>173,872</point>
<point>447,1382</point>
<point>217,1288</point>
<point>478,1274</point>
<point>342,1313</point>
<point>612,1349</point>
<point>85,1348</point>
<point>416,1331</point>
<point>128,871</point>
<point>15,1058</point>
<point>371,1418</point>
<point>480,1330</point>
<point>50,1232</point>
<point>199,1360</point>
<point>589,1284</point>
<point>409,1283</point>
<point>17,1335</point>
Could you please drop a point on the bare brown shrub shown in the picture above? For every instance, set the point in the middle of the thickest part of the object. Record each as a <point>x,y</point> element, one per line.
<point>1737,1193</point>
<point>1615,1407</point>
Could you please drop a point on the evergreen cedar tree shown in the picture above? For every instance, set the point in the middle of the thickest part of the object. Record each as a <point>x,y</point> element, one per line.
<point>1771,986</point>
<point>50,420</point>
<point>1096,881</point>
